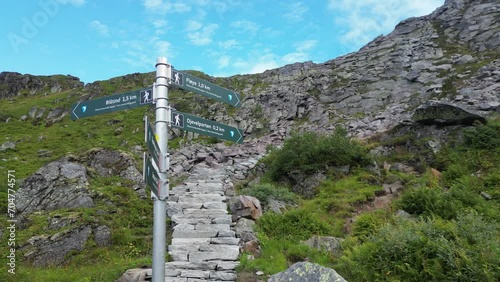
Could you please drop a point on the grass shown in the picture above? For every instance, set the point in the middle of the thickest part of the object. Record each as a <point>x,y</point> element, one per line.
<point>116,204</point>
<point>452,235</point>
<point>326,214</point>
<point>95,269</point>
<point>338,199</point>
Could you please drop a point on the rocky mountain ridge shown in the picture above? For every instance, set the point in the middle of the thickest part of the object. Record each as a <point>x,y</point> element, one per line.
<point>433,71</point>
<point>450,56</point>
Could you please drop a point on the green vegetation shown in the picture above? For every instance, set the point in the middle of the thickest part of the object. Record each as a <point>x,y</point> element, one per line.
<point>116,205</point>
<point>310,153</point>
<point>434,249</point>
<point>265,192</point>
<point>295,224</point>
<point>453,233</point>
<point>127,215</point>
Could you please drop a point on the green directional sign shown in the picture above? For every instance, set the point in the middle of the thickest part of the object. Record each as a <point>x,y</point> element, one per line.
<point>112,103</point>
<point>150,176</point>
<point>206,127</point>
<point>152,145</point>
<point>205,88</point>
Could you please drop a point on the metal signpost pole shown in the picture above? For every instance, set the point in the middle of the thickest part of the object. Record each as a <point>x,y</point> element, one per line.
<point>160,202</point>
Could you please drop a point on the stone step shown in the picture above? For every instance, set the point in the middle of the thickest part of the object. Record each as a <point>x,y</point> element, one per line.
<point>225,241</point>
<point>212,265</point>
<point>204,247</point>
<point>190,241</point>
<point>203,275</point>
<point>205,213</point>
<point>212,227</point>
<point>208,256</point>
<point>194,234</point>
<point>201,198</point>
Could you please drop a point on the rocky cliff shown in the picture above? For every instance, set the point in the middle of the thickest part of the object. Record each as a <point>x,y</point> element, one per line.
<point>450,55</point>
<point>13,84</point>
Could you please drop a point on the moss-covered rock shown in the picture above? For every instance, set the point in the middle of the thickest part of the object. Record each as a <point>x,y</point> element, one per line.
<point>307,272</point>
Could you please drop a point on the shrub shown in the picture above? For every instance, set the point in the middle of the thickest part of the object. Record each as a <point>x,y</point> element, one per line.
<point>294,225</point>
<point>310,152</point>
<point>483,137</point>
<point>267,191</point>
<point>428,250</point>
<point>427,201</point>
<point>367,225</point>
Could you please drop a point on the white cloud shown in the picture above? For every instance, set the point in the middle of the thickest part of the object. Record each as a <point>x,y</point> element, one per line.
<point>294,57</point>
<point>223,61</point>
<point>262,66</point>
<point>159,23</point>
<point>229,44</point>
<point>163,48</point>
<point>245,26</point>
<point>72,2</point>
<point>101,28</point>
<point>366,19</point>
<point>193,25</point>
<point>297,11</point>
<point>152,4</point>
<point>202,36</point>
<point>163,7</point>
<point>305,45</point>
<point>301,53</point>
<point>257,62</point>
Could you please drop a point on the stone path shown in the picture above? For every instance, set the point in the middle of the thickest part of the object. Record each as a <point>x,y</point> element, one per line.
<point>203,248</point>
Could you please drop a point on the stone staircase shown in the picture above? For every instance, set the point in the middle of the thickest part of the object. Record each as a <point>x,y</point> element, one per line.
<point>203,248</point>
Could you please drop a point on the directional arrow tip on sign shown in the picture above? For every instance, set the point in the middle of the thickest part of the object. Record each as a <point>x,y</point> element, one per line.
<point>73,111</point>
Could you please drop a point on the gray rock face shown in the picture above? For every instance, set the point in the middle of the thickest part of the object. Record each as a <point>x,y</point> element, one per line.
<point>305,185</point>
<point>57,185</point>
<point>15,82</point>
<point>114,163</point>
<point>379,86</point>
<point>307,272</point>
<point>102,236</point>
<point>436,113</point>
<point>44,250</point>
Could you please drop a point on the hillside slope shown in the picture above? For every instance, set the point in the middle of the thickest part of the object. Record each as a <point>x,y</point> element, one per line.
<point>440,69</point>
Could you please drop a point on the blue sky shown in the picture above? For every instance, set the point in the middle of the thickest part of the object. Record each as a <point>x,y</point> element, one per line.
<point>97,40</point>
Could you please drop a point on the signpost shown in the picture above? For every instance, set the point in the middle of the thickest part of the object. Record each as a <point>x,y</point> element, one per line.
<point>205,88</point>
<point>206,127</point>
<point>150,176</point>
<point>153,146</point>
<point>117,102</point>
<point>155,167</point>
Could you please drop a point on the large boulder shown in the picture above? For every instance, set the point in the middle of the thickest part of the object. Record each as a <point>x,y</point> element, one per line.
<point>438,113</point>
<point>247,207</point>
<point>307,272</point>
<point>57,185</point>
<point>114,163</point>
<point>52,250</point>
